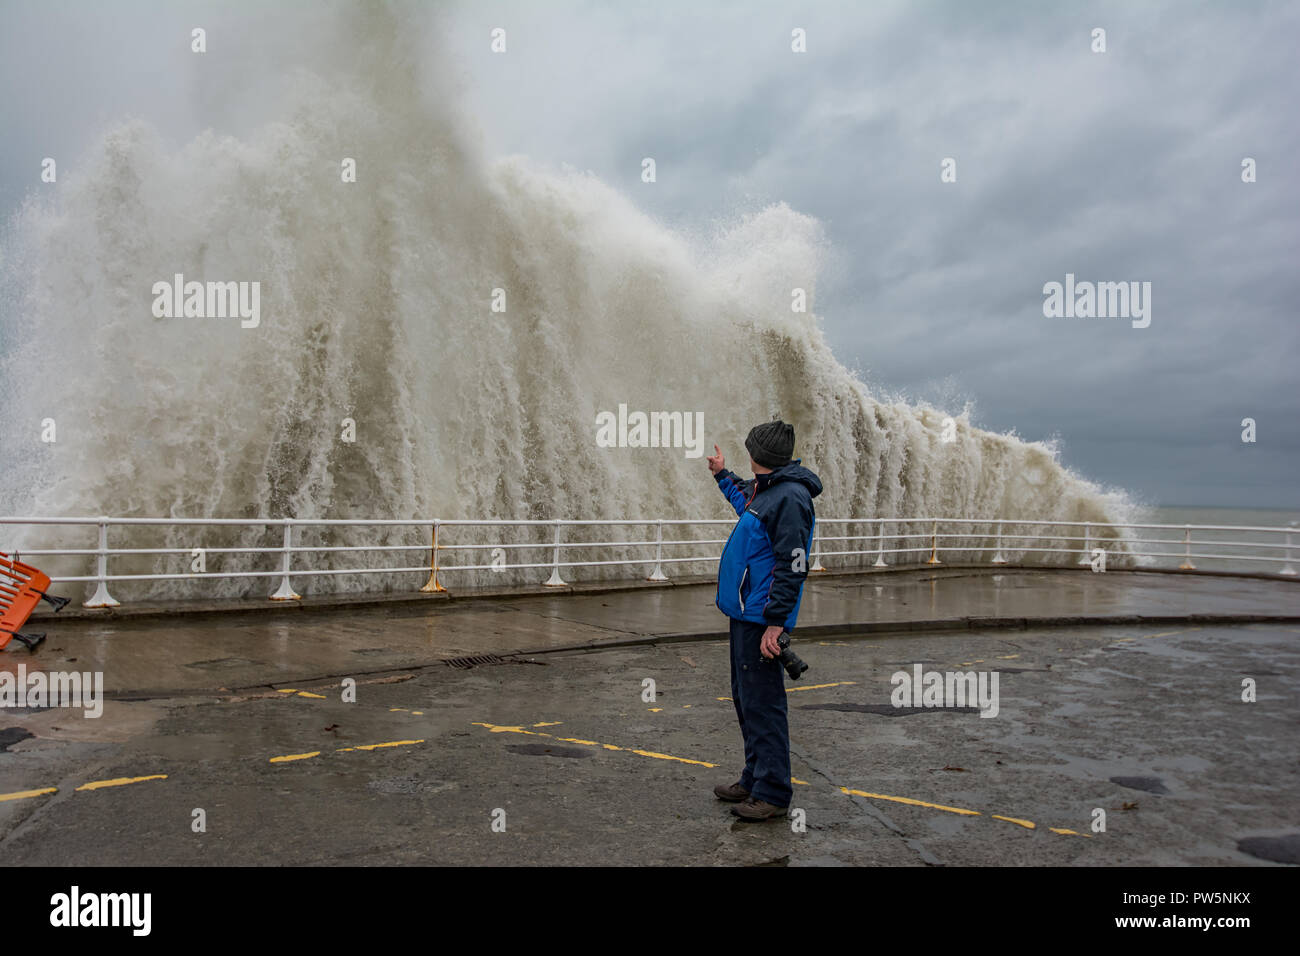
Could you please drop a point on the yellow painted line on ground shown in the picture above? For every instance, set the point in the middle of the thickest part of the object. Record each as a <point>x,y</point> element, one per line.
<point>389,743</point>
<point>287,757</point>
<point>659,756</point>
<point>1027,824</point>
<point>840,683</point>
<point>398,710</point>
<point>724,698</point>
<point>519,729</point>
<point>288,690</point>
<point>303,693</point>
<point>1008,657</point>
<point>25,794</point>
<point>1168,633</point>
<point>497,729</point>
<point>119,782</point>
<point>911,802</point>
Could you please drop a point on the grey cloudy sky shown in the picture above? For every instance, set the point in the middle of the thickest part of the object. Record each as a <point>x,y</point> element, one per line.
<point>1123,165</point>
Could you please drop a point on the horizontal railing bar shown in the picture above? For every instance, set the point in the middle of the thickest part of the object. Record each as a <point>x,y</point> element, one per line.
<point>547,564</point>
<point>873,551</point>
<point>423,569</point>
<point>563,544</point>
<point>350,547</point>
<point>193,575</point>
<point>34,552</point>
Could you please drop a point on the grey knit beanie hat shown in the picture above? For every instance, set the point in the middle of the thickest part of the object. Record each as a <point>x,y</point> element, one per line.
<point>771,444</point>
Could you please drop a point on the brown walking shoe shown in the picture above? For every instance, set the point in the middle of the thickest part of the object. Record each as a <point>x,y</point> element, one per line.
<point>731,792</point>
<point>753,809</point>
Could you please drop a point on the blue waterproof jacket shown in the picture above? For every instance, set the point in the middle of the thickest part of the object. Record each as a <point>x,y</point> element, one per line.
<point>765,561</point>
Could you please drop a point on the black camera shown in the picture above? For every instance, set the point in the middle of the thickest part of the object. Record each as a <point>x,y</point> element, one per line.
<point>793,665</point>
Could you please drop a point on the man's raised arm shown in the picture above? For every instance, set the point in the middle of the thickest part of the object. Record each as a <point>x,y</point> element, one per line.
<point>732,485</point>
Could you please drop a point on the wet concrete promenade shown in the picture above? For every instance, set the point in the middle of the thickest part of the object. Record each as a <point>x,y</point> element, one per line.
<point>144,649</point>
<point>1120,693</point>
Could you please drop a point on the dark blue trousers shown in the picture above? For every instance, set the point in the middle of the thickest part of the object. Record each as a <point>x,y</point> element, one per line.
<point>758,690</point>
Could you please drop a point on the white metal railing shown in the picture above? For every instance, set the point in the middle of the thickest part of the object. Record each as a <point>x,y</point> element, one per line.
<point>910,541</point>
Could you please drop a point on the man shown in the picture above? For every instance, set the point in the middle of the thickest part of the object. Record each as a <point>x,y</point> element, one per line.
<point>760,584</point>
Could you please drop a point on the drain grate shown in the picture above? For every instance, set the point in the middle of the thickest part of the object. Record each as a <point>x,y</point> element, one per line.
<point>465,663</point>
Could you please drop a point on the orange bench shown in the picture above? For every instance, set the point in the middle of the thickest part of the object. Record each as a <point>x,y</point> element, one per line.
<point>22,587</point>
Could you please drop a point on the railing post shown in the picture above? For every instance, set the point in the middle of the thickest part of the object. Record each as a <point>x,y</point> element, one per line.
<point>432,586</point>
<point>997,551</point>
<point>1286,568</point>
<point>934,545</point>
<point>1187,550</point>
<point>880,544</point>
<point>101,597</point>
<point>1087,545</point>
<point>657,574</point>
<point>555,581</point>
<point>285,591</point>
<point>817,550</point>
